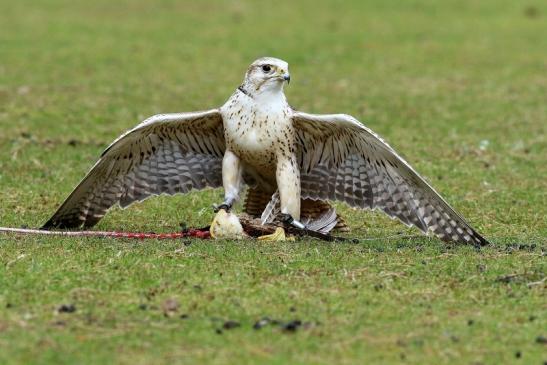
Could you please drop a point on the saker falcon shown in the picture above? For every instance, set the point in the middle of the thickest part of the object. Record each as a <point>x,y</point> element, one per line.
<point>292,162</point>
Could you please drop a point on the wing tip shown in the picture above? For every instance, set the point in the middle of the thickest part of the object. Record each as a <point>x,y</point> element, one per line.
<point>56,223</point>
<point>50,224</point>
<point>479,240</point>
<point>474,239</point>
<point>47,226</point>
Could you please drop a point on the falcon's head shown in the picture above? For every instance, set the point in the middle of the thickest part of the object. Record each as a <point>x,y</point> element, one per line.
<point>265,75</point>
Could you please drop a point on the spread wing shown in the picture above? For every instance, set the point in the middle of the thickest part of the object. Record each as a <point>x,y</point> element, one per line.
<point>341,159</point>
<point>167,153</point>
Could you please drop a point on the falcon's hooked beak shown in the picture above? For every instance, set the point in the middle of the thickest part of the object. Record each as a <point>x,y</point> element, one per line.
<point>287,78</point>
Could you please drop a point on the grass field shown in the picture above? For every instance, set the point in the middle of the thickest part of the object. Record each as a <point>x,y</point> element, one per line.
<point>458,87</point>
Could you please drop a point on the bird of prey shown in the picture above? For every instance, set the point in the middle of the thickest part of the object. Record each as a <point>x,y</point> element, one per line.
<point>293,163</point>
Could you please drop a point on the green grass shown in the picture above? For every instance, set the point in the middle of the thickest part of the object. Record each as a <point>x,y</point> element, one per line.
<point>458,87</point>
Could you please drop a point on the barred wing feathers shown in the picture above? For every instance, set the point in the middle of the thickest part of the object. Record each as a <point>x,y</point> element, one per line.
<point>341,159</point>
<point>167,153</point>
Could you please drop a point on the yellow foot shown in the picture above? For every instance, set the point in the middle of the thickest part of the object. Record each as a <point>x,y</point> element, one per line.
<point>226,226</point>
<point>278,235</point>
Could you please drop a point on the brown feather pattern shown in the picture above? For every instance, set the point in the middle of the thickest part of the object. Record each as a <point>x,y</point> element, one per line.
<point>166,154</point>
<point>343,160</point>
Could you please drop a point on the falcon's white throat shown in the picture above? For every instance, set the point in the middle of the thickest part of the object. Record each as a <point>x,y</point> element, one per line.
<point>270,92</point>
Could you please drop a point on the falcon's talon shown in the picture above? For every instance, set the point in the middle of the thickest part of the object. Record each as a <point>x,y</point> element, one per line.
<point>278,235</point>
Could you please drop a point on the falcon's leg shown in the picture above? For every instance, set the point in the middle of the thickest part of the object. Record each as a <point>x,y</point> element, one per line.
<point>288,184</point>
<point>231,180</point>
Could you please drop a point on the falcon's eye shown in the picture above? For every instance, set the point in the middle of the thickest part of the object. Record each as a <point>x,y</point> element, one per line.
<point>266,68</point>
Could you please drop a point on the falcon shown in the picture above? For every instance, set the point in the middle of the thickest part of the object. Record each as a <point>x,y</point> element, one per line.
<point>292,163</point>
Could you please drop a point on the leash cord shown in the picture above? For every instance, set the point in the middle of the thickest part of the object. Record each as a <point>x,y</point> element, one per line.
<point>190,233</point>
<point>202,233</point>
